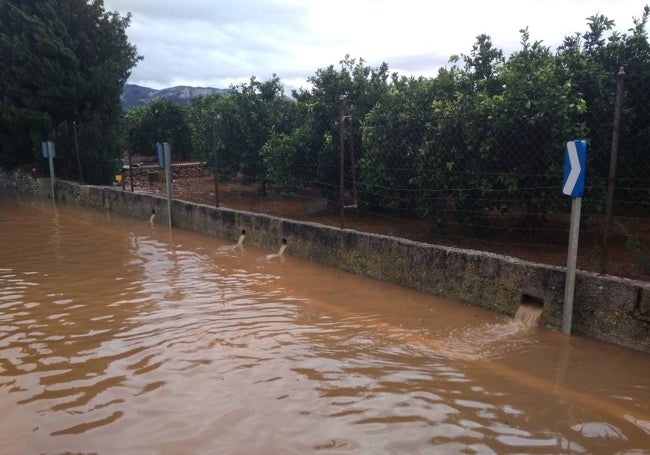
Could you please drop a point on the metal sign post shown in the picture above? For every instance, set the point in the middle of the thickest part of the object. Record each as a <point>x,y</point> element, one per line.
<point>573,185</point>
<point>48,151</point>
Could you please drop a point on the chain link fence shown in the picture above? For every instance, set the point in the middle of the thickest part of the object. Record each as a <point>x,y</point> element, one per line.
<point>483,172</point>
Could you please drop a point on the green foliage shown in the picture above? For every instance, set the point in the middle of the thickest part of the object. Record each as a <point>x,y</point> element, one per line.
<point>542,106</point>
<point>63,61</point>
<point>594,59</point>
<point>457,156</point>
<point>202,121</point>
<point>495,144</point>
<point>361,87</point>
<point>161,121</point>
<point>632,51</point>
<point>486,134</point>
<point>229,131</point>
<point>281,155</point>
<point>392,133</point>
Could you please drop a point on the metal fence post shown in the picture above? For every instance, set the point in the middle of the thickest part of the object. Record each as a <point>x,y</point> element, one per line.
<point>618,109</point>
<point>214,152</point>
<point>76,148</point>
<point>342,159</point>
<point>129,151</point>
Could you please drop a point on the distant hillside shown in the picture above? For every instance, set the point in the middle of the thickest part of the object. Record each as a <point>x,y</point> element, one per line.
<point>136,95</point>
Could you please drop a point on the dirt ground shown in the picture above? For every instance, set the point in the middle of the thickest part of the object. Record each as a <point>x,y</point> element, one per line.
<point>547,245</point>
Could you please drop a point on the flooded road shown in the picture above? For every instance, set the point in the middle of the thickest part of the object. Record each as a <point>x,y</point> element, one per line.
<point>121,337</point>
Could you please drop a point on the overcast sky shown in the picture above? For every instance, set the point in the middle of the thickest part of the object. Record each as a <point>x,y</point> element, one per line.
<point>216,43</point>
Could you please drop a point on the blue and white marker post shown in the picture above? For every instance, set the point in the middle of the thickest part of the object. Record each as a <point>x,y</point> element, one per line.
<point>48,151</point>
<point>573,185</point>
<point>164,154</point>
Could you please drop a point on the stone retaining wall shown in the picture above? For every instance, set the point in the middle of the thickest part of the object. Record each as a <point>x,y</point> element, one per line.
<point>610,309</point>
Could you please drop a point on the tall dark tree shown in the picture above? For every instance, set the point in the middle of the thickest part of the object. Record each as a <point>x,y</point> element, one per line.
<point>63,61</point>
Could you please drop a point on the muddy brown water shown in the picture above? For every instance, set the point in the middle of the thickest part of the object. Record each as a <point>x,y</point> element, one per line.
<point>121,337</point>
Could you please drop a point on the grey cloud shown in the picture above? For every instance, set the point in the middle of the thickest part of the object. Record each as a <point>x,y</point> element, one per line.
<point>216,12</point>
<point>222,41</point>
<point>219,41</point>
<point>419,63</point>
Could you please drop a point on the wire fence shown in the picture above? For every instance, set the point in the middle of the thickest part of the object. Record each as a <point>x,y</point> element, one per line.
<point>460,172</point>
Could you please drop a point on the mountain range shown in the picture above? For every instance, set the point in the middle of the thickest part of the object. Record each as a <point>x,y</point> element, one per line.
<point>137,95</point>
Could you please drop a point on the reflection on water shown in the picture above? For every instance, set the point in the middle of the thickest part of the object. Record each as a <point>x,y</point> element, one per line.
<point>117,336</point>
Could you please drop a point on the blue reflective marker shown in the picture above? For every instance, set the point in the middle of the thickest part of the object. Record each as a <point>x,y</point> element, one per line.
<point>575,161</point>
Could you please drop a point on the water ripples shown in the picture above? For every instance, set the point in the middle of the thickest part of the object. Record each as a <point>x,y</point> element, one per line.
<point>134,342</point>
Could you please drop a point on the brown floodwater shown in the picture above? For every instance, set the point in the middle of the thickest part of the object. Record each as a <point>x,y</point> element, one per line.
<point>121,337</point>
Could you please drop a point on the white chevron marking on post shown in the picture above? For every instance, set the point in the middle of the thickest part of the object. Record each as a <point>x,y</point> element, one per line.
<point>575,168</point>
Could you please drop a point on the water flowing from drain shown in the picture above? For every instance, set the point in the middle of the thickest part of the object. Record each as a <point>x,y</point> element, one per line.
<point>530,310</point>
